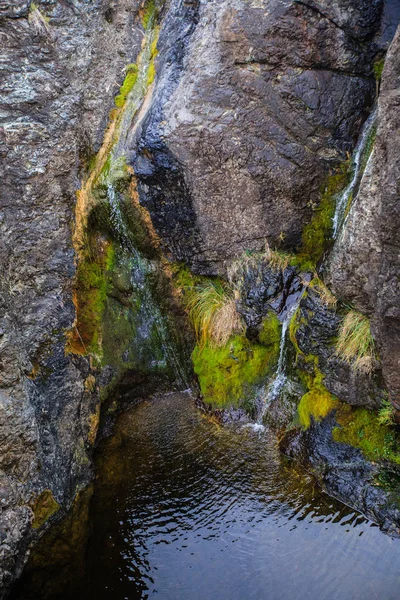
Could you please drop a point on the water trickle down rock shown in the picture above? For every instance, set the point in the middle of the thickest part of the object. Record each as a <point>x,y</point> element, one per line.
<point>358,165</point>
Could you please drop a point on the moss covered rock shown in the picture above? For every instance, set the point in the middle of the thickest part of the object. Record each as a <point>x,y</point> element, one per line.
<point>228,375</point>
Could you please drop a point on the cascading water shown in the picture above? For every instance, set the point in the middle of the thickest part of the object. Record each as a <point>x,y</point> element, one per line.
<point>273,390</point>
<point>357,162</point>
<point>141,269</point>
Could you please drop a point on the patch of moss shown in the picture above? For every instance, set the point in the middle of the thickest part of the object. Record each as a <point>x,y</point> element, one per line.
<point>149,13</point>
<point>317,234</point>
<point>316,403</point>
<point>360,428</point>
<point>228,375</point>
<point>127,86</point>
<point>151,73</point>
<point>369,146</point>
<point>270,330</point>
<point>378,68</point>
<point>43,508</point>
<point>90,294</point>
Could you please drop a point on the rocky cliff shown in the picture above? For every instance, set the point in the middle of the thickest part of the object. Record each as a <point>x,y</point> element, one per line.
<point>139,135</point>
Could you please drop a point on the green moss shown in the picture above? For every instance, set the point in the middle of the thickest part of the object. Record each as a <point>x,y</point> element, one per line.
<point>91,286</point>
<point>43,508</point>
<point>270,330</point>
<point>228,375</point>
<point>360,428</point>
<point>149,14</point>
<point>369,146</point>
<point>317,234</point>
<point>316,403</point>
<point>127,86</point>
<point>378,68</point>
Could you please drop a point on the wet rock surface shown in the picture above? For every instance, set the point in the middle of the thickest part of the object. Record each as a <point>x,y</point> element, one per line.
<point>346,474</point>
<point>316,331</point>
<point>237,149</point>
<point>365,260</point>
<point>62,64</point>
<point>254,104</point>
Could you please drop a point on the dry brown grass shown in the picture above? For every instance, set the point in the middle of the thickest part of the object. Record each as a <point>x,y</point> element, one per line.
<point>212,309</point>
<point>355,344</point>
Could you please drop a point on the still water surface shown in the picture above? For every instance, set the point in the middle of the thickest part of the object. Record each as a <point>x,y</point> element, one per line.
<point>186,510</point>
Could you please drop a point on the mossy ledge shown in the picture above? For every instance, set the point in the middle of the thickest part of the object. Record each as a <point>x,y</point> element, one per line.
<point>228,375</point>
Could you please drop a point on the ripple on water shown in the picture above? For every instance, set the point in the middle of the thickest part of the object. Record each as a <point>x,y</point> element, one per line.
<point>187,510</point>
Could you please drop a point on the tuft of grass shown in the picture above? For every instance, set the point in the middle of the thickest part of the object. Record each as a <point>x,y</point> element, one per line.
<point>355,344</point>
<point>278,259</point>
<point>212,310</point>
<point>326,296</point>
<point>386,413</point>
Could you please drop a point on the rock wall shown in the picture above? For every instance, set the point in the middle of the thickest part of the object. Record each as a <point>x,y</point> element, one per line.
<point>64,63</point>
<point>365,260</point>
<point>247,108</point>
<point>269,96</point>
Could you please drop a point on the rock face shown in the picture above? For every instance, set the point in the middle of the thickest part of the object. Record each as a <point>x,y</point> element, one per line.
<point>63,65</point>
<point>269,96</point>
<point>254,103</point>
<point>365,260</point>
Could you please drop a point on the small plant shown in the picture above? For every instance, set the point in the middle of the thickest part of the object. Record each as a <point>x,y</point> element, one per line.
<point>212,310</point>
<point>355,344</point>
<point>324,293</point>
<point>278,260</point>
<point>39,21</point>
<point>386,413</point>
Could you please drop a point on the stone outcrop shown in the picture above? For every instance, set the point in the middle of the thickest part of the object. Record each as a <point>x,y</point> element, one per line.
<point>268,98</point>
<point>64,63</point>
<point>253,105</point>
<point>365,261</point>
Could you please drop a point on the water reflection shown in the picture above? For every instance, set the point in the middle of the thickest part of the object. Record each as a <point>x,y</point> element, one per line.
<point>186,510</point>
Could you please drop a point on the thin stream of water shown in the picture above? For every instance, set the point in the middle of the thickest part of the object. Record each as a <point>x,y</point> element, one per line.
<point>342,200</point>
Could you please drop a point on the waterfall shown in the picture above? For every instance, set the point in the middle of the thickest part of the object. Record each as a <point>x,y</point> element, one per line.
<point>141,269</point>
<point>276,386</point>
<point>342,200</point>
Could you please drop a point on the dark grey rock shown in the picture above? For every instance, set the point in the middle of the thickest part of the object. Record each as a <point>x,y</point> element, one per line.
<point>365,261</point>
<point>242,133</point>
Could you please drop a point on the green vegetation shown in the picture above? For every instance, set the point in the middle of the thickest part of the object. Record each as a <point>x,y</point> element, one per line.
<point>361,428</point>
<point>149,14</point>
<point>151,73</point>
<point>38,20</point>
<point>378,68</point>
<point>369,145</point>
<point>317,403</point>
<point>317,234</point>
<point>90,293</point>
<point>228,374</point>
<point>355,344</point>
<point>43,508</point>
<point>270,330</point>
<point>386,413</point>
<point>324,293</point>
<point>129,81</point>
